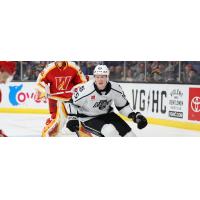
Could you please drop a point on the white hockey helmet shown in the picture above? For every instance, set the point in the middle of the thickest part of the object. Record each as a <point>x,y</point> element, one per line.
<point>101,70</point>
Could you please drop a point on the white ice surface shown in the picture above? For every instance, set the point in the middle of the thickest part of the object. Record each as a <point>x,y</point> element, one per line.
<point>31,125</point>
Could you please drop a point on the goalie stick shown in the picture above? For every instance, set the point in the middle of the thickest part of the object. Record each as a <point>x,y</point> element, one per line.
<point>57,93</point>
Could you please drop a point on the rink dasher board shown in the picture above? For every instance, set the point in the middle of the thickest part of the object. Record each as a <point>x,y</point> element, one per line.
<point>172,105</point>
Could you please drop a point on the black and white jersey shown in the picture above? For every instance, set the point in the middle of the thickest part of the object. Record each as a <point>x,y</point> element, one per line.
<point>89,102</point>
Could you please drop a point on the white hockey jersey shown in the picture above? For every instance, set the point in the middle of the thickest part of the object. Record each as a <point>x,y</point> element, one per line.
<point>89,102</point>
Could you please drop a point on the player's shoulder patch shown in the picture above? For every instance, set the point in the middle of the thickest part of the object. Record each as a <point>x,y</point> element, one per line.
<point>84,90</point>
<point>88,86</point>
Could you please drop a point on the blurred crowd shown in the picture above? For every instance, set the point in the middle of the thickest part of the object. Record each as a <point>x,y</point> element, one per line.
<point>125,71</point>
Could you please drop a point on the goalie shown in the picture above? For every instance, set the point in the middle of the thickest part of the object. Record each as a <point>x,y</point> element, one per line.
<point>57,78</point>
<point>91,105</point>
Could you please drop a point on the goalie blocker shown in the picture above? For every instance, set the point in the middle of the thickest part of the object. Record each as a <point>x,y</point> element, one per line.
<point>91,105</point>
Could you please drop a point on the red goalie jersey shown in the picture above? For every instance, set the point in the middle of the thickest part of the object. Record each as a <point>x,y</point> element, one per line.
<point>61,77</point>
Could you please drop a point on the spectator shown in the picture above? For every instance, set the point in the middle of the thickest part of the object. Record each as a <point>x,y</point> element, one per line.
<point>187,69</point>
<point>139,75</point>
<point>148,72</point>
<point>28,75</point>
<point>87,68</point>
<point>171,72</point>
<point>118,73</point>
<point>158,73</point>
<point>17,74</point>
<point>193,76</point>
<point>112,72</point>
<point>195,65</point>
<point>129,76</point>
<point>132,65</point>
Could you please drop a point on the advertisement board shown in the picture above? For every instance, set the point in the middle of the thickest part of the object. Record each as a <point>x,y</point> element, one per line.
<point>165,101</point>
<point>194,104</point>
<point>20,95</point>
<point>159,101</point>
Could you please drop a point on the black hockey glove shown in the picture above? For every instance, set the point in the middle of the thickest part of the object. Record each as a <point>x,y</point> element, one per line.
<point>139,119</point>
<point>73,124</point>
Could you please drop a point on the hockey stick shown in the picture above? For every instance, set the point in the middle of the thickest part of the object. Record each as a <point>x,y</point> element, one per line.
<point>93,131</point>
<point>77,133</point>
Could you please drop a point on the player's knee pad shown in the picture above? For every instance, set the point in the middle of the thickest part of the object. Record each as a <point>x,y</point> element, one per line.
<point>108,130</point>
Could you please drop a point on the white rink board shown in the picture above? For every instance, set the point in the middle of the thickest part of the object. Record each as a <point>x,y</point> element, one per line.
<point>161,101</point>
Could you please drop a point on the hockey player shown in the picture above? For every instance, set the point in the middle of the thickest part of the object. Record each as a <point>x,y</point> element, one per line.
<point>7,71</point>
<point>91,105</point>
<point>57,78</point>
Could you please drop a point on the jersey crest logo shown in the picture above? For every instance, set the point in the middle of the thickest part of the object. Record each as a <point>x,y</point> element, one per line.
<point>62,82</point>
<point>101,104</point>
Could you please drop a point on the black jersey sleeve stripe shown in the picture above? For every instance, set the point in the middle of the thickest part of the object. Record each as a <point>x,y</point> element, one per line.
<point>85,96</point>
<point>81,115</point>
<point>72,115</point>
<point>116,91</point>
<point>70,108</point>
<point>120,108</point>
